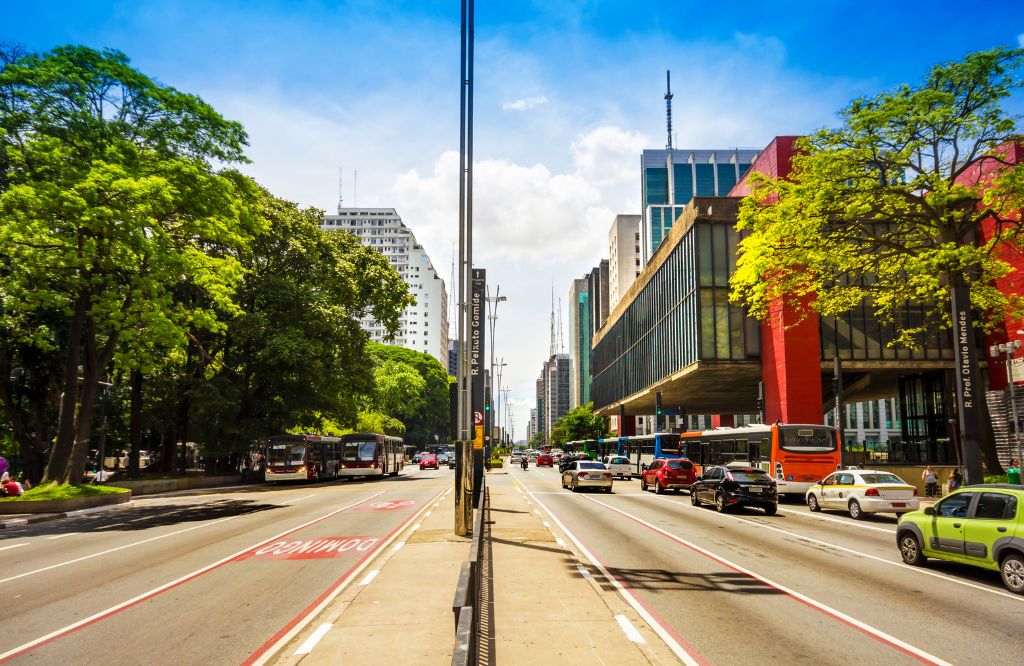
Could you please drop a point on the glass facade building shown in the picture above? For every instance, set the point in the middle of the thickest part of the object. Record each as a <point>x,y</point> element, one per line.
<point>671,178</point>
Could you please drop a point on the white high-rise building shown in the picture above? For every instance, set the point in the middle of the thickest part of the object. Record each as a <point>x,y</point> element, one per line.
<point>624,256</point>
<point>424,325</point>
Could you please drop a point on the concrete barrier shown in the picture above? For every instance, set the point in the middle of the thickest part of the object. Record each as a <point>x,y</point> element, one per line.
<point>153,486</point>
<point>65,505</point>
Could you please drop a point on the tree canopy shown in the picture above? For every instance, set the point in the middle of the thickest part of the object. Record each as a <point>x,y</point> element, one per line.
<point>887,208</point>
<point>579,423</point>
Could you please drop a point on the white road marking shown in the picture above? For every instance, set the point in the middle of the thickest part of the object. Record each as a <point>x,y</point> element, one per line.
<point>415,527</point>
<point>299,499</point>
<point>831,519</point>
<point>427,513</point>
<point>628,629</point>
<point>559,541</point>
<point>828,610</point>
<point>894,563</point>
<point>684,655</point>
<point>59,536</point>
<point>398,546</point>
<point>138,543</point>
<point>369,577</point>
<point>311,642</point>
<point>107,527</point>
<point>547,524</point>
<point>15,545</point>
<point>174,583</point>
<point>536,512</point>
<point>583,572</point>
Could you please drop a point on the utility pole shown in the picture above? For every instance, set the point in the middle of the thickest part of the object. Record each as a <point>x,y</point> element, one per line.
<point>464,460</point>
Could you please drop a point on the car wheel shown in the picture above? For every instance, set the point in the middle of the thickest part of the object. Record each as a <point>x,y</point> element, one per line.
<point>720,502</point>
<point>658,488</point>
<point>770,509</point>
<point>643,484</point>
<point>694,500</point>
<point>812,503</point>
<point>574,487</point>
<point>1013,573</point>
<point>608,490</point>
<point>910,550</point>
<point>855,511</point>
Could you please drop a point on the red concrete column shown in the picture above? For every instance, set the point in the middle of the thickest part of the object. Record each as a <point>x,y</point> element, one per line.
<point>723,421</point>
<point>791,366</point>
<point>627,426</point>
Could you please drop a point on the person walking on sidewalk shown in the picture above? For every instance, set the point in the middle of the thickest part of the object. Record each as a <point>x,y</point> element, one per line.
<point>1013,471</point>
<point>931,481</point>
<point>954,479</point>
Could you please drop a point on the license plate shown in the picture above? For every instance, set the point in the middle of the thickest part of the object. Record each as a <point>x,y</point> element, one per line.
<point>755,489</point>
<point>899,504</point>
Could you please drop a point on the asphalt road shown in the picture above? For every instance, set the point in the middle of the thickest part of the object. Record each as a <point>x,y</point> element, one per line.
<point>795,588</point>
<point>211,578</point>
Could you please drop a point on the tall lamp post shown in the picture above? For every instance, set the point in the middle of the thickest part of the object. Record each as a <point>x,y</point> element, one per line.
<point>1008,348</point>
<point>492,317</point>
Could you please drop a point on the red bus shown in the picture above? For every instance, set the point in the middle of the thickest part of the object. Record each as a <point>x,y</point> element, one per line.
<point>302,458</point>
<point>371,454</point>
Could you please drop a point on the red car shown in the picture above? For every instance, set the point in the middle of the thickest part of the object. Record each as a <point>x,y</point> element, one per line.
<point>545,459</point>
<point>668,474</point>
<point>428,461</point>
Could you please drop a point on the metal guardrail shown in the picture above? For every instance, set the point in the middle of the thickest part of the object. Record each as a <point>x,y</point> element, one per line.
<point>467,603</point>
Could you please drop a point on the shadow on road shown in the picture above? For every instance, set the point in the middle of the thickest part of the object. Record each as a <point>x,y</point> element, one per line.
<point>658,580</point>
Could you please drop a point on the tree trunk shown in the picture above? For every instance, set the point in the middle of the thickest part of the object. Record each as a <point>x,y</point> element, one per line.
<point>135,423</point>
<point>60,454</point>
<point>91,370</point>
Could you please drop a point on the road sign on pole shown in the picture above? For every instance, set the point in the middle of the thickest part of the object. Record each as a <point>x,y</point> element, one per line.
<point>478,417</point>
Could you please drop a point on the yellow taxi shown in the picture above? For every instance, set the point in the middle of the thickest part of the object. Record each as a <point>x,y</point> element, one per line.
<point>863,491</point>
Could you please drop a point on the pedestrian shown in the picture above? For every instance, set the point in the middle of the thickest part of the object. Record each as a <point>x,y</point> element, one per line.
<point>954,479</point>
<point>10,487</point>
<point>931,481</point>
<point>1013,472</point>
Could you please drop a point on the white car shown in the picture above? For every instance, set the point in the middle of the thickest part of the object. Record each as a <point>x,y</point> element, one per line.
<point>587,474</point>
<point>516,457</point>
<point>620,466</point>
<point>863,491</point>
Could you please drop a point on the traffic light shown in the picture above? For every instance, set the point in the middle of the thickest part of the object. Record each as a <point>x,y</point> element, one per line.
<point>659,412</point>
<point>487,407</point>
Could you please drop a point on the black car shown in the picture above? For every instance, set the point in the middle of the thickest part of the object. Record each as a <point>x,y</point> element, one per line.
<point>566,461</point>
<point>728,487</point>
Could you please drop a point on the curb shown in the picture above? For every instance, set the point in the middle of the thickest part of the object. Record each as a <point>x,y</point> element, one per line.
<point>44,517</point>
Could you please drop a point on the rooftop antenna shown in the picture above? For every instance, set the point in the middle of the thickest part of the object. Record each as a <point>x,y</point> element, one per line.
<point>552,346</point>
<point>341,196</point>
<point>561,341</point>
<point>668,105</point>
<point>355,189</point>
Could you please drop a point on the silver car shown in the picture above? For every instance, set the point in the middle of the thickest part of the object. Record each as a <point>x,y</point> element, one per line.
<point>587,474</point>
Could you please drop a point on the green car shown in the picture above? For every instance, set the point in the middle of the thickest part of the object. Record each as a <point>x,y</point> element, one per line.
<point>980,525</point>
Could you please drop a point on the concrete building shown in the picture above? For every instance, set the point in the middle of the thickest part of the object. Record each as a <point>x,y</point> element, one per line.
<point>597,286</point>
<point>580,335</point>
<point>531,427</point>
<point>671,178</point>
<point>556,391</point>
<point>423,325</point>
<point>453,358</point>
<point>624,256</point>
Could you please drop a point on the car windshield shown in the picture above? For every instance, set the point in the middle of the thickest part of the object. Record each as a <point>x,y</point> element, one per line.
<point>680,464</point>
<point>749,475</point>
<point>882,478</point>
<point>619,461</point>
<point>592,465</point>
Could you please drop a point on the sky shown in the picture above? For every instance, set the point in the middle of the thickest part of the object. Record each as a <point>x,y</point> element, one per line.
<point>567,95</point>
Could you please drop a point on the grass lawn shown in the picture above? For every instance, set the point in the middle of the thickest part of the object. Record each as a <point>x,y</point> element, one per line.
<point>53,491</point>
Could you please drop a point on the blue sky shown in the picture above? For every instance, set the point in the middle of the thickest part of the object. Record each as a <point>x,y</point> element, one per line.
<point>567,94</point>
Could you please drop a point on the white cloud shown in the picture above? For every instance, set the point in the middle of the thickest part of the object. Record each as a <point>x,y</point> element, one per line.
<point>524,104</point>
<point>1020,40</point>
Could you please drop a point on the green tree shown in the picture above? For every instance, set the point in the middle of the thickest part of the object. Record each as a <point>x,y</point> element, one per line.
<point>888,208</point>
<point>429,419</point>
<point>109,204</point>
<point>579,423</point>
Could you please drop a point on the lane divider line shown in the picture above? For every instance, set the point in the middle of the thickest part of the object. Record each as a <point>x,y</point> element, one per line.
<point>832,519</point>
<point>19,545</point>
<point>835,614</point>
<point>369,577</point>
<point>683,650</point>
<point>311,642</point>
<point>583,572</point>
<point>893,563</point>
<point>113,610</point>
<point>628,629</point>
<point>398,546</point>
<point>59,536</point>
<point>299,499</point>
<point>278,641</point>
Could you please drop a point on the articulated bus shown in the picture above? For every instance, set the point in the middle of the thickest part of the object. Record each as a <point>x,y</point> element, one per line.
<point>302,458</point>
<point>371,454</point>
<point>798,456</point>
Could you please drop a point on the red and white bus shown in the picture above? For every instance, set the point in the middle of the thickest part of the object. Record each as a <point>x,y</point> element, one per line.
<point>796,455</point>
<point>371,454</point>
<point>302,458</point>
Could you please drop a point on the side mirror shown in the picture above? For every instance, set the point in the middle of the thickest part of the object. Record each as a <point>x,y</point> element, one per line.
<point>929,511</point>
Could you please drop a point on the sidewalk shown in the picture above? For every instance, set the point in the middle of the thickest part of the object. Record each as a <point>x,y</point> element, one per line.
<point>542,609</point>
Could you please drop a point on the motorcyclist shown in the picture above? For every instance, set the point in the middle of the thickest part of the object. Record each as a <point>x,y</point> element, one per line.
<point>526,461</point>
